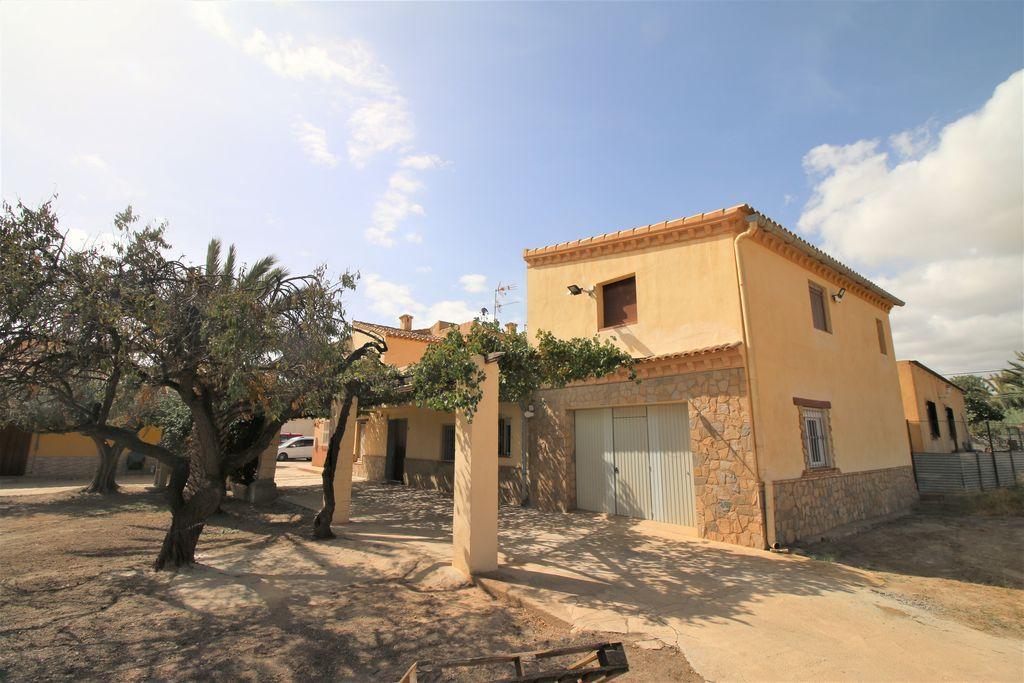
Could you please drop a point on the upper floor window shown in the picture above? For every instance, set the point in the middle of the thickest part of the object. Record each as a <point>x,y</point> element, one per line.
<point>618,302</point>
<point>819,309</point>
<point>880,328</point>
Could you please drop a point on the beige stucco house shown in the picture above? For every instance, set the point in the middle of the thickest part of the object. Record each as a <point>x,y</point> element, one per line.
<point>934,409</point>
<point>770,406</point>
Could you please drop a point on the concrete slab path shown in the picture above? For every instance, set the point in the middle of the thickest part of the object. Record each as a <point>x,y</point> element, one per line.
<point>737,614</point>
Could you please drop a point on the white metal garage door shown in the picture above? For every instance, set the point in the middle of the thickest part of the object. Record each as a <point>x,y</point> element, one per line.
<point>636,461</point>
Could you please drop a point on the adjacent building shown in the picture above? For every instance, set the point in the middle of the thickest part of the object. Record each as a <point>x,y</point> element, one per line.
<point>934,409</point>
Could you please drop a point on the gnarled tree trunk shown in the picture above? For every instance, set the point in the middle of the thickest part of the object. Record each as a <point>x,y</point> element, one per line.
<point>193,497</point>
<point>323,519</point>
<point>104,481</point>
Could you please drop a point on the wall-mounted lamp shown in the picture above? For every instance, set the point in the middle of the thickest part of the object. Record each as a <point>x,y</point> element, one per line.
<point>838,296</point>
<point>576,290</point>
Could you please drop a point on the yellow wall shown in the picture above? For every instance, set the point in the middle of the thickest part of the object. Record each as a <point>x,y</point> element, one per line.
<point>917,386</point>
<point>401,352</point>
<point>75,444</point>
<point>793,359</point>
<point>686,297</point>
<point>423,440</point>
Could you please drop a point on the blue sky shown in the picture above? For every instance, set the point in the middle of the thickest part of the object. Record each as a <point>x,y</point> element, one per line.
<point>427,144</point>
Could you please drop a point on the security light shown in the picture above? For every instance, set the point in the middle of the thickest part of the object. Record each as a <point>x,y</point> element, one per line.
<point>575,290</point>
<point>838,296</point>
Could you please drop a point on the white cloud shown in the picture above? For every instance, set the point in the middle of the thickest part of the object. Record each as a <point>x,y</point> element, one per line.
<point>391,299</point>
<point>422,162</point>
<point>788,199</point>
<point>380,120</point>
<point>378,127</point>
<point>414,238</point>
<point>473,282</point>
<point>452,311</point>
<point>103,175</point>
<point>942,227</point>
<point>314,143</point>
<point>90,160</point>
<point>392,208</point>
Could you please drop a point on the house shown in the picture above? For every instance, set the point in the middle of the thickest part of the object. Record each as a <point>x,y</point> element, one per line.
<point>414,445</point>
<point>769,408</point>
<point>69,455</point>
<point>934,410</point>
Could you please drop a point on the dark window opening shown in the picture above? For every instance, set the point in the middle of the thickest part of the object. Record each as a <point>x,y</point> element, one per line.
<point>951,422</point>
<point>819,310</point>
<point>619,302</point>
<point>504,438</point>
<point>880,327</point>
<point>933,419</point>
<point>448,442</point>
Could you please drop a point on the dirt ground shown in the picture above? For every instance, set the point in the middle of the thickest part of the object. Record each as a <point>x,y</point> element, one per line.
<point>947,558</point>
<point>78,601</point>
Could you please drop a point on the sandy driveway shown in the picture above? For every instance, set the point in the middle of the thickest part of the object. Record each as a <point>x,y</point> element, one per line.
<point>736,614</point>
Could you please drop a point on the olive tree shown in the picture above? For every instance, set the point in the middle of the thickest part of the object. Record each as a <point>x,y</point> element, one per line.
<point>371,382</point>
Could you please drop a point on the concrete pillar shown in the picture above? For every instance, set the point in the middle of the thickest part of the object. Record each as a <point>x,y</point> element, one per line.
<point>343,472</point>
<point>264,489</point>
<point>475,522</point>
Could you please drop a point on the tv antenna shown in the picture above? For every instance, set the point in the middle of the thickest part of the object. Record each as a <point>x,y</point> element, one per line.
<point>500,292</point>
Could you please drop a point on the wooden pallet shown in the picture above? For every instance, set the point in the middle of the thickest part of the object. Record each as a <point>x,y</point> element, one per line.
<point>603,662</point>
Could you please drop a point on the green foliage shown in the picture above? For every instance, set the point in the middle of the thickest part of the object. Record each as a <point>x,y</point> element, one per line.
<point>447,379</point>
<point>981,405</point>
<point>1009,383</point>
<point>374,382</point>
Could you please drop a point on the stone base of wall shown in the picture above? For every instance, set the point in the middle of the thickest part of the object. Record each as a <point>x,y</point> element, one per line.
<point>808,507</point>
<point>76,466</point>
<point>440,475</point>
<point>728,493</point>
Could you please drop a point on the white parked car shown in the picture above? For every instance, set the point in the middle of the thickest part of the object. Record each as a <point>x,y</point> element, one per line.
<point>298,448</point>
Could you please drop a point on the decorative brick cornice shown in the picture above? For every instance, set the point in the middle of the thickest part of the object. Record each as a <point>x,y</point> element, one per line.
<point>719,357</point>
<point>800,257</point>
<point>699,226</point>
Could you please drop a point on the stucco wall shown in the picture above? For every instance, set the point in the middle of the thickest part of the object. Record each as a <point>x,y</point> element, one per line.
<point>686,296</point>
<point>792,359</point>
<point>401,352</point>
<point>73,455</point>
<point>423,439</point>
<point>727,490</point>
<point>917,386</point>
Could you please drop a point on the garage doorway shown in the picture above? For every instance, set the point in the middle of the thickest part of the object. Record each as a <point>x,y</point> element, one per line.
<point>636,461</point>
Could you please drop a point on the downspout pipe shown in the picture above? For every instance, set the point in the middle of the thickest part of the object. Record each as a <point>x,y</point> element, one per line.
<point>753,226</point>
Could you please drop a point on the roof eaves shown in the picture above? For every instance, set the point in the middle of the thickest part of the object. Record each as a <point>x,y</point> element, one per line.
<point>791,238</point>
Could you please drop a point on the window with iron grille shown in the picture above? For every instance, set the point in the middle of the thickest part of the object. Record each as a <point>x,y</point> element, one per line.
<point>618,302</point>
<point>448,442</point>
<point>504,438</point>
<point>816,441</point>
<point>819,308</point>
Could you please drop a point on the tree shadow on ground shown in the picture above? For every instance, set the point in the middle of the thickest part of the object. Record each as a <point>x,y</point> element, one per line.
<point>611,563</point>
